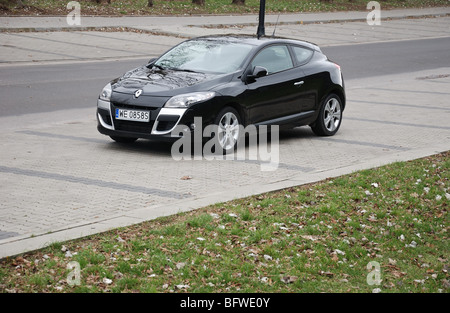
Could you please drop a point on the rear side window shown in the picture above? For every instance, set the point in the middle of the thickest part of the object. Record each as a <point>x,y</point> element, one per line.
<point>274,59</point>
<point>302,54</point>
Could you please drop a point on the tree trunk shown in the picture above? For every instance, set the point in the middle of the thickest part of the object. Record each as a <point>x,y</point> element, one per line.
<point>150,3</point>
<point>198,2</point>
<point>238,2</point>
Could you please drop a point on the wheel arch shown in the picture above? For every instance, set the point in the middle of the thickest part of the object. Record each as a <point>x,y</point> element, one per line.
<point>239,108</point>
<point>337,91</point>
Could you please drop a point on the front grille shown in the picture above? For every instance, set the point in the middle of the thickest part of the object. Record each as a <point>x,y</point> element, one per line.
<point>133,107</point>
<point>136,127</point>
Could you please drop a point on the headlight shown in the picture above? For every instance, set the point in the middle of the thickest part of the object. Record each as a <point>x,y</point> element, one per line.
<point>106,93</point>
<point>186,100</point>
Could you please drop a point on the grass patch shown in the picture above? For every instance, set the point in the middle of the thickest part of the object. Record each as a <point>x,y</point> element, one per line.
<point>185,7</point>
<point>312,238</point>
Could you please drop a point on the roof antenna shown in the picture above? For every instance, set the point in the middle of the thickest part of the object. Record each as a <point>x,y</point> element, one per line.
<point>262,12</point>
<point>276,24</point>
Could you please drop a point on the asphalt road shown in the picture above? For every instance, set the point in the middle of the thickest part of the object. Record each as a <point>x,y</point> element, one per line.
<point>386,58</point>
<point>34,88</point>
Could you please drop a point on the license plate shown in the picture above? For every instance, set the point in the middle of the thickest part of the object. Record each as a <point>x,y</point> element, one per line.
<point>132,115</point>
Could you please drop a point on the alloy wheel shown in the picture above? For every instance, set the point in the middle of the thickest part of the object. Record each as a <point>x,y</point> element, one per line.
<point>332,114</point>
<point>228,131</point>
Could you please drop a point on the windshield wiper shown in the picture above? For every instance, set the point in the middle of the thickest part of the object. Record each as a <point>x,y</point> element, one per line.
<point>183,70</point>
<point>158,66</point>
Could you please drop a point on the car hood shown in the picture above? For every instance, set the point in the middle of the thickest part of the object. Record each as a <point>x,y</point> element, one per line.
<point>166,83</point>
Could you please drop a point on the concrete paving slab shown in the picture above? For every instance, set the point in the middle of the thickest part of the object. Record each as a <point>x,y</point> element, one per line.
<point>341,33</point>
<point>80,46</point>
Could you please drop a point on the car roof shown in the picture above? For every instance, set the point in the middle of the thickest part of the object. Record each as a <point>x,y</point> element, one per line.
<point>254,41</point>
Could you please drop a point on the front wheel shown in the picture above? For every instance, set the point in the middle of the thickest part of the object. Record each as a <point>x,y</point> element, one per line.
<point>330,117</point>
<point>228,129</point>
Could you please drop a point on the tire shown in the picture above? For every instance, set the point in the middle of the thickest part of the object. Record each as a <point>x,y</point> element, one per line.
<point>330,116</point>
<point>123,139</point>
<point>229,130</point>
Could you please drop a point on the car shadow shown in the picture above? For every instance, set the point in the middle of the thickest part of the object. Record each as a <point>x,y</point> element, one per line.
<point>296,133</point>
<point>142,146</point>
<point>164,148</point>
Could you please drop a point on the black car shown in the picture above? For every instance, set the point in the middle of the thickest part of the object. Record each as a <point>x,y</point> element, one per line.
<point>228,81</point>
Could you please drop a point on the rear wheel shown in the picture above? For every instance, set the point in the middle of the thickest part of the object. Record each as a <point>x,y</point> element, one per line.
<point>123,139</point>
<point>330,117</point>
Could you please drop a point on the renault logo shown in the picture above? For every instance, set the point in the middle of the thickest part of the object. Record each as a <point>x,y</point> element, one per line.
<point>137,93</point>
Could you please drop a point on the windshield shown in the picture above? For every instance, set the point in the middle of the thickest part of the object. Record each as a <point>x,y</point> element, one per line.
<point>205,56</point>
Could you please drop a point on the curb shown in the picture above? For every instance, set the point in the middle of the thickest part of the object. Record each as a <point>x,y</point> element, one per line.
<point>90,28</point>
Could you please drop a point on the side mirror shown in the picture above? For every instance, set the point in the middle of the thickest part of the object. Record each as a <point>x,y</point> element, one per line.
<point>258,72</point>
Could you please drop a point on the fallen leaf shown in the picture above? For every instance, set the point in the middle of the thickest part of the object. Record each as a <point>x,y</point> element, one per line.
<point>182,286</point>
<point>119,239</point>
<point>288,279</point>
<point>310,237</point>
<point>180,265</point>
<point>339,252</point>
<point>107,281</point>
<point>398,274</point>
<point>214,215</point>
<point>328,274</point>
<point>392,262</point>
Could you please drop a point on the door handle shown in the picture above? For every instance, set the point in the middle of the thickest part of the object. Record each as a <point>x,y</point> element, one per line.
<point>299,83</point>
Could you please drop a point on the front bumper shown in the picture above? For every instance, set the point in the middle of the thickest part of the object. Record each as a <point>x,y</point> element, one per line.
<point>163,121</point>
